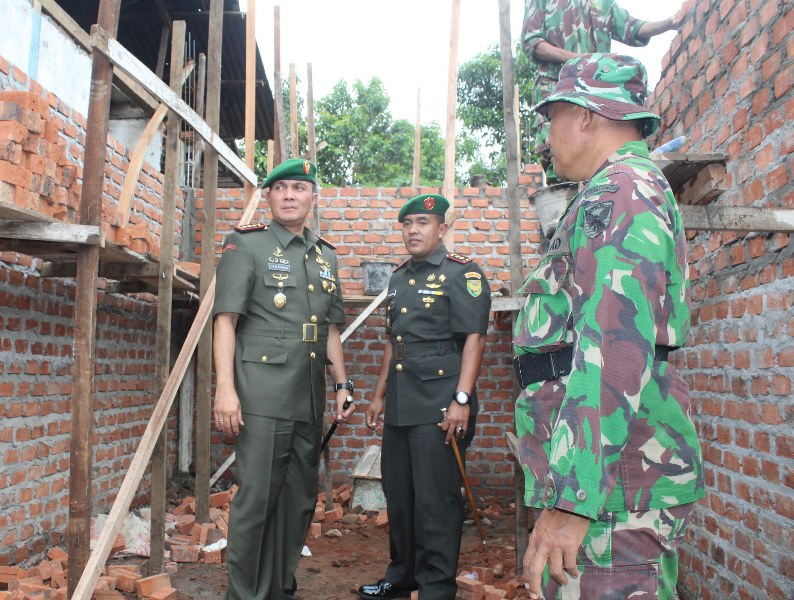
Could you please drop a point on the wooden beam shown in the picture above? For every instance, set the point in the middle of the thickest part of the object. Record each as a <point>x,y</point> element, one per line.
<point>52,232</point>
<point>417,140</point>
<point>139,153</point>
<point>84,351</point>
<point>159,69</point>
<point>293,110</point>
<point>311,140</point>
<point>279,126</point>
<point>738,218</point>
<point>250,93</point>
<point>125,61</point>
<point>204,355</point>
<point>118,271</point>
<point>452,97</point>
<point>186,404</point>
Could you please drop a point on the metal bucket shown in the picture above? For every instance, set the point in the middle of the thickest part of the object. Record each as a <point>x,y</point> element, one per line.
<point>376,275</point>
<point>551,202</point>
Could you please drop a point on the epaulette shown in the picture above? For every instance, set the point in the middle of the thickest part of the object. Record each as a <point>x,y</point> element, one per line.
<point>398,267</point>
<point>255,226</point>
<point>459,258</point>
<point>325,242</point>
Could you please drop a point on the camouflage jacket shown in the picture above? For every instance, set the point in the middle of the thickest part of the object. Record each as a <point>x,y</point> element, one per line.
<point>615,433</point>
<point>581,26</point>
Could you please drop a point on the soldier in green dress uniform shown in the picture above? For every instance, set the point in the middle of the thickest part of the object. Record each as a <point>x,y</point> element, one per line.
<point>278,308</point>
<point>438,309</point>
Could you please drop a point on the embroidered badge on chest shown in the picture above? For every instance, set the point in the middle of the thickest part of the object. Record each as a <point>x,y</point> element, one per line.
<point>597,217</point>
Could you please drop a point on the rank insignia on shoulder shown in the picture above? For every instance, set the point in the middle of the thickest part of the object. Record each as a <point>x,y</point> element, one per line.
<point>255,226</point>
<point>459,258</point>
<point>326,243</point>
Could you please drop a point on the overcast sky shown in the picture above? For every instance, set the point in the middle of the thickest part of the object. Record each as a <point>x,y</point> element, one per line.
<point>405,43</point>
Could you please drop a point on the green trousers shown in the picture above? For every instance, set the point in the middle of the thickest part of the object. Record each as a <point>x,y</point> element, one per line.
<point>277,467</point>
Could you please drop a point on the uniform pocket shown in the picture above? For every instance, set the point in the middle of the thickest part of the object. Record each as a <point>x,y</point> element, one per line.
<point>265,354</point>
<point>630,581</point>
<point>544,318</point>
<point>429,368</point>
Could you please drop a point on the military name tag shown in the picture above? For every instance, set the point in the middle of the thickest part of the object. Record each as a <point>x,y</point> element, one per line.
<point>278,267</point>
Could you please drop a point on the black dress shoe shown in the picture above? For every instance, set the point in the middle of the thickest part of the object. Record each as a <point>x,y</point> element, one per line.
<point>384,589</point>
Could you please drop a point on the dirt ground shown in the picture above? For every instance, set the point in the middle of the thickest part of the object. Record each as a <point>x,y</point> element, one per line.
<point>339,565</point>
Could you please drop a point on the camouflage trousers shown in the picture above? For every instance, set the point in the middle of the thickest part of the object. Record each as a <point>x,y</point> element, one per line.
<point>626,555</point>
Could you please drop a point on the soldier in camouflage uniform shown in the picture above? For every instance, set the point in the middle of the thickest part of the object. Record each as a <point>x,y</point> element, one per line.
<point>611,456</point>
<point>557,30</point>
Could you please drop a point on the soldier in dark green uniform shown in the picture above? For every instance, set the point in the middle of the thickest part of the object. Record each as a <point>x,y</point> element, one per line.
<point>438,305</point>
<point>277,309</point>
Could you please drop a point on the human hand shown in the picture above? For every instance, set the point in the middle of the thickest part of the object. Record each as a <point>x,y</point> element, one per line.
<point>227,411</point>
<point>374,412</point>
<point>455,421</point>
<point>345,406</point>
<point>556,539</point>
<point>677,20</point>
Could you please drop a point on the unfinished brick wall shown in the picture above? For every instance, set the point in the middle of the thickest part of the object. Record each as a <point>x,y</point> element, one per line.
<point>728,85</point>
<point>362,224</point>
<point>41,153</point>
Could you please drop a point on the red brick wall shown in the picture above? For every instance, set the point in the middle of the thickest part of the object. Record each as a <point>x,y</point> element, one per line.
<point>728,85</point>
<point>41,152</point>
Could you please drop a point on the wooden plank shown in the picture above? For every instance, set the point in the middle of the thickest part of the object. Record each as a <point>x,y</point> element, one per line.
<point>679,167</point>
<point>84,351</point>
<point>250,92</point>
<point>417,140</point>
<point>222,469</point>
<point>507,303</point>
<point>204,356</point>
<point>365,466</point>
<point>705,186</point>
<point>165,299</point>
<point>186,394</point>
<point>738,218</point>
<point>128,63</point>
<point>139,153</point>
<point>293,110</point>
<point>10,211</point>
<point>52,232</point>
<point>311,137</point>
<point>452,97</point>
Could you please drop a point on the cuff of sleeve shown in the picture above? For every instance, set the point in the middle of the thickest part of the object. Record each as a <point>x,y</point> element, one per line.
<point>584,499</point>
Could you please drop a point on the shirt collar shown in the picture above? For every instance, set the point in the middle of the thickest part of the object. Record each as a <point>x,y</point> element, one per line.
<point>633,149</point>
<point>434,259</point>
<point>285,236</point>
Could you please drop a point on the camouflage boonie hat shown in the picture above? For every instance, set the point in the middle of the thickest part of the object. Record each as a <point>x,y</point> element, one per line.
<point>294,168</point>
<point>611,85</point>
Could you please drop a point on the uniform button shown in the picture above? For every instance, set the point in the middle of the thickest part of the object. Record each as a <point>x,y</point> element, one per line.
<point>311,287</point>
<point>581,495</point>
<point>411,281</point>
<point>313,319</point>
<point>441,371</point>
<point>549,492</point>
<point>403,310</point>
<point>306,256</point>
<point>280,284</point>
<point>427,306</point>
<point>399,338</point>
<point>312,356</point>
<point>264,359</point>
<point>399,367</point>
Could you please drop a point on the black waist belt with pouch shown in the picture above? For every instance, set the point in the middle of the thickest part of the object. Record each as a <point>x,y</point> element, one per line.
<point>531,368</point>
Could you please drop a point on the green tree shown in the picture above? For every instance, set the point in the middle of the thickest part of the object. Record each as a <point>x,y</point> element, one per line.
<point>480,109</point>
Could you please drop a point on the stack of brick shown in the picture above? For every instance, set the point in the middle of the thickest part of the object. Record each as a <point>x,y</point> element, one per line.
<point>188,540</point>
<point>325,520</point>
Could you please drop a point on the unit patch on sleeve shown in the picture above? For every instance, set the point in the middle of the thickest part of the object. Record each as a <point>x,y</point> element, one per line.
<point>474,287</point>
<point>597,217</point>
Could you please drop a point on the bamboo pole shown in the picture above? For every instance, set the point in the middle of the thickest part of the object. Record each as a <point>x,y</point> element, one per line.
<point>164,301</point>
<point>204,355</point>
<point>311,142</point>
<point>82,402</point>
<point>293,111</point>
<point>417,140</point>
<point>250,92</point>
<point>452,95</point>
<point>280,137</point>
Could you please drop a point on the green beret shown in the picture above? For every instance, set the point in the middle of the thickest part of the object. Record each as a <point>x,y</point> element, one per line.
<point>298,169</point>
<point>428,204</point>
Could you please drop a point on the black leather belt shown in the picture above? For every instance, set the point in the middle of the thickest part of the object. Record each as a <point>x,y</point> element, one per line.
<point>403,350</point>
<point>307,332</point>
<point>531,368</point>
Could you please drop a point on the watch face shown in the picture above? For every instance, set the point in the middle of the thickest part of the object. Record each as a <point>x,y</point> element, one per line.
<point>461,397</point>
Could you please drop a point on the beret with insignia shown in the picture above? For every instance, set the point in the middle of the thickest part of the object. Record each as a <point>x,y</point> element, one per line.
<point>428,204</point>
<point>295,168</point>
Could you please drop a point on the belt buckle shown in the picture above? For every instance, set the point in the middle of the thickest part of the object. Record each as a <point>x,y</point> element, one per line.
<point>399,352</point>
<point>309,332</point>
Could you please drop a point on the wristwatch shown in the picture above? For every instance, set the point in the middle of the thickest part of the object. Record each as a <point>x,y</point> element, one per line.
<point>347,385</point>
<point>461,398</point>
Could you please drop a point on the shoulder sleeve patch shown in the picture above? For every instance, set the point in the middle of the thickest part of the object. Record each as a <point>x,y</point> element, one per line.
<point>255,226</point>
<point>459,258</point>
<point>326,243</point>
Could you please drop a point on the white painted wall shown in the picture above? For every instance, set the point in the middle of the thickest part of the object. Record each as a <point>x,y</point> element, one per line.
<point>128,132</point>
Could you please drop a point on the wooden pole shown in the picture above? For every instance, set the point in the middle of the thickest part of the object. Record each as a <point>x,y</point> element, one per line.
<point>164,301</point>
<point>311,142</point>
<point>82,401</point>
<point>279,128</point>
<point>452,95</point>
<point>201,90</point>
<point>509,106</point>
<point>293,111</point>
<point>417,141</point>
<point>250,92</point>
<point>517,116</point>
<point>204,355</point>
